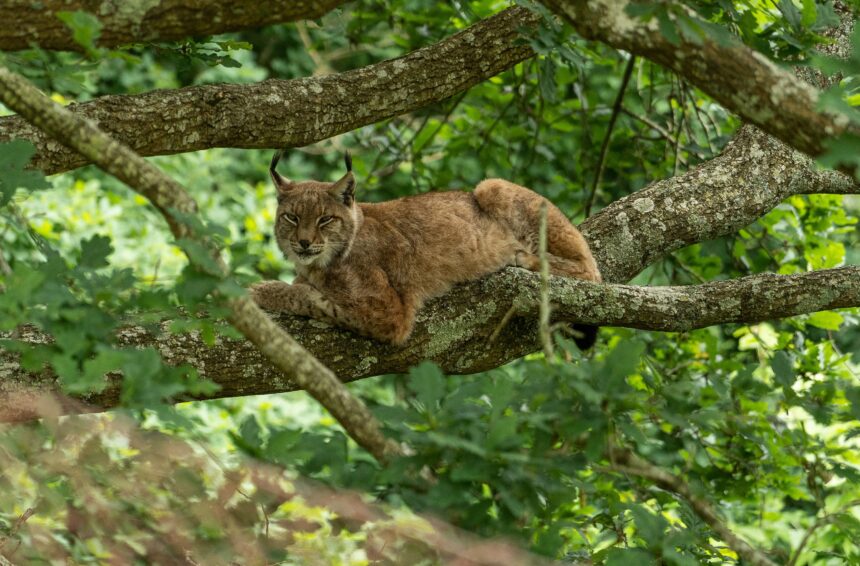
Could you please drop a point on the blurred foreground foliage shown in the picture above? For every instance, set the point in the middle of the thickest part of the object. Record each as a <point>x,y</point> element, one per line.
<point>761,420</point>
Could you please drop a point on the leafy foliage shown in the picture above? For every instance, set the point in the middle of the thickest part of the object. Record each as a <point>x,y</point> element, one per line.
<point>761,420</point>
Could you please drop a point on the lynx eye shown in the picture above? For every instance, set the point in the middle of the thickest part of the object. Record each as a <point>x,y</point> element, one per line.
<point>324,220</point>
<point>291,218</point>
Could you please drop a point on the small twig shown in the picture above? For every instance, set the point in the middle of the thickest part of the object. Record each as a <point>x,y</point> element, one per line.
<point>616,109</point>
<point>678,132</point>
<point>4,267</point>
<point>515,97</point>
<point>625,461</point>
<point>657,128</point>
<point>321,67</point>
<point>504,322</point>
<point>545,330</point>
<point>820,522</point>
<point>18,524</point>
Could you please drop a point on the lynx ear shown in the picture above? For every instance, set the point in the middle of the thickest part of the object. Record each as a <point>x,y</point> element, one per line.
<point>281,183</point>
<point>344,189</point>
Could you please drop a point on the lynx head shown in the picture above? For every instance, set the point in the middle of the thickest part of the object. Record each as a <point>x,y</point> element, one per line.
<point>316,222</point>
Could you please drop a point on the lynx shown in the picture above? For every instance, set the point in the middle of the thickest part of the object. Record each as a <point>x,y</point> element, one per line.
<point>370,267</point>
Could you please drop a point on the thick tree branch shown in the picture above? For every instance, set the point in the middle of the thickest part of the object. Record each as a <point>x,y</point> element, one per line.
<point>279,113</point>
<point>172,200</point>
<point>36,23</point>
<point>739,78</point>
<point>454,331</point>
<point>749,178</point>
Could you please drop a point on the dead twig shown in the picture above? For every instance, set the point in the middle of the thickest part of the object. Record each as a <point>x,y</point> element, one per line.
<point>604,147</point>
<point>545,330</point>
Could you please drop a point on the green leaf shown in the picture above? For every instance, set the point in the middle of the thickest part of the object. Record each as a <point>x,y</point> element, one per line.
<point>783,368</point>
<point>791,13</point>
<point>620,363</point>
<point>231,45</point>
<point>93,375</point>
<point>628,557</point>
<point>649,526</point>
<point>668,29</point>
<point>546,80</point>
<point>428,383</point>
<point>809,13</point>
<point>251,432</point>
<point>94,252</point>
<point>14,156</point>
<point>200,256</point>
<point>826,17</point>
<point>828,320</point>
<point>86,28</point>
<point>690,29</point>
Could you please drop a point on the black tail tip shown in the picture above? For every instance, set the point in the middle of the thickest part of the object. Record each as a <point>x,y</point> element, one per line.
<point>275,158</point>
<point>587,336</point>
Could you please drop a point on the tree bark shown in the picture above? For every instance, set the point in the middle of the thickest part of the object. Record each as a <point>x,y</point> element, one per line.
<point>741,79</point>
<point>291,113</point>
<point>752,175</point>
<point>36,23</point>
<point>455,331</point>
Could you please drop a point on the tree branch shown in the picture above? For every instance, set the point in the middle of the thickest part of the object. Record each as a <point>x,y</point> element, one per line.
<point>171,200</point>
<point>36,23</point>
<point>739,78</point>
<point>749,178</point>
<point>279,113</point>
<point>454,331</point>
<point>627,462</point>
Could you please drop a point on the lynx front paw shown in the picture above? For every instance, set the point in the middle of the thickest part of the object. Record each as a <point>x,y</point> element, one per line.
<point>269,295</point>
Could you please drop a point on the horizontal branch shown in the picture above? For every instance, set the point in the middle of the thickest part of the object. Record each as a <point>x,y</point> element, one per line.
<point>36,23</point>
<point>455,331</point>
<point>291,113</point>
<point>748,179</point>
<point>741,79</point>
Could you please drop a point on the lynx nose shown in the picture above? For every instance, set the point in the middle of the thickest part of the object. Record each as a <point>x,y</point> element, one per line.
<point>304,244</point>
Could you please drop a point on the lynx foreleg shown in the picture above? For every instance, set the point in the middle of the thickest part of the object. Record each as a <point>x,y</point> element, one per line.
<point>384,318</point>
<point>298,298</point>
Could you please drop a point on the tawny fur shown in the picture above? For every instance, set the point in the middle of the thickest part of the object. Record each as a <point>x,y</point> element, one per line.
<point>372,266</point>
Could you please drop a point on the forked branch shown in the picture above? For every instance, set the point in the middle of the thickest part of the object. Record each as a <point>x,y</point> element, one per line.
<point>291,113</point>
<point>741,79</point>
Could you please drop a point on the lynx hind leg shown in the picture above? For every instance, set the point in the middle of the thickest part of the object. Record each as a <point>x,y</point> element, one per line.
<point>519,208</point>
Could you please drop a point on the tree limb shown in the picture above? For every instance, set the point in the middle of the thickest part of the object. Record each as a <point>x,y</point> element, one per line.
<point>36,23</point>
<point>716,198</point>
<point>171,200</point>
<point>739,78</point>
<point>454,331</point>
<point>291,113</point>
<point>625,461</point>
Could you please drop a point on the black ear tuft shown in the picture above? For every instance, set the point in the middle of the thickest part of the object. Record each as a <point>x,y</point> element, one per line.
<point>347,158</point>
